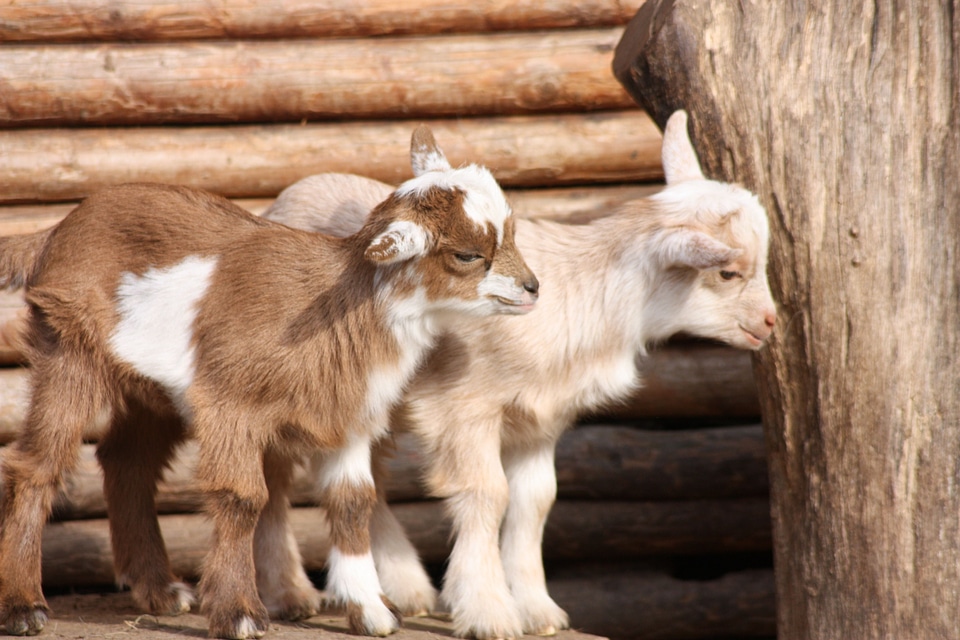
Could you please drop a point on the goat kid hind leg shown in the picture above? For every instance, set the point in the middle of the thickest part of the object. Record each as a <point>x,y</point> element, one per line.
<point>139,555</point>
<point>282,582</point>
<point>532,477</point>
<point>349,496</point>
<point>402,576</point>
<point>66,398</point>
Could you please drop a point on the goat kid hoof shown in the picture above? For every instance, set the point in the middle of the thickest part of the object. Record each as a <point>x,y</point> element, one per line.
<point>372,620</point>
<point>244,628</point>
<point>294,612</point>
<point>27,622</point>
<point>178,600</point>
<point>546,631</point>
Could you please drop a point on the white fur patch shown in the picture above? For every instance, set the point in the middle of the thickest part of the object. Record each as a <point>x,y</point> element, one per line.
<point>350,464</point>
<point>403,240</point>
<point>415,332</point>
<point>353,578</point>
<point>155,331</point>
<point>484,201</point>
<point>501,286</point>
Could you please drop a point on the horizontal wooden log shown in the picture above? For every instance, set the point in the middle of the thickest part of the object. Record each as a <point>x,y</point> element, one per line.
<point>645,404</point>
<point>77,552</point>
<point>693,379</point>
<point>624,463</point>
<point>642,605</point>
<point>86,20</point>
<point>12,316</point>
<point>593,462</point>
<point>47,165</point>
<point>569,204</point>
<point>296,80</point>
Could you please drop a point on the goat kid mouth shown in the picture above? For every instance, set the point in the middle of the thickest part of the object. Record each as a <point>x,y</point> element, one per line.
<point>516,306</point>
<point>754,340</point>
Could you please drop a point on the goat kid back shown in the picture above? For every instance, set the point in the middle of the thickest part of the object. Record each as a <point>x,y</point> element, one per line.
<point>164,313</point>
<point>494,396</point>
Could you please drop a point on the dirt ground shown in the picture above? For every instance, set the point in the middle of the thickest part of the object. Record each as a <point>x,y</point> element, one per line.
<point>113,615</point>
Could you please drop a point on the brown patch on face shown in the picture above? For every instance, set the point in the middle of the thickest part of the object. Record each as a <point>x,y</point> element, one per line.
<point>464,251</point>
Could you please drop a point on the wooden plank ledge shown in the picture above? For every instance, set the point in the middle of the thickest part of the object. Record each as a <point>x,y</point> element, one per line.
<point>106,615</point>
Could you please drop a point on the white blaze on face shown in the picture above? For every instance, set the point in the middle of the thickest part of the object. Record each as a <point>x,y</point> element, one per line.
<point>499,286</point>
<point>484,202</point>
<point>157,311</point>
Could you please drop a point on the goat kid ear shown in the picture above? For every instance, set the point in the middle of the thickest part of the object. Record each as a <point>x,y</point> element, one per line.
<point>679,159</point>
<point>696,249</point>
<point>401,241</point>
<point>425,155</point>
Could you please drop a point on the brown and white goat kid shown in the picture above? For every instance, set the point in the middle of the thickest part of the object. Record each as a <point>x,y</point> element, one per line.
<point>165,312</point>
<point>494,396</point>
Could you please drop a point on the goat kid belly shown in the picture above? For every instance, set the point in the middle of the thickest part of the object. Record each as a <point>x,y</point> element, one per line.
<point>551,401</point>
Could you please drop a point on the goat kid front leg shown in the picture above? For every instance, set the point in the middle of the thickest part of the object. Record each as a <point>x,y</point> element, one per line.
<point>140,557</point>
<point>282,582</point>
<point>349,496</point>
<point>468,471</point>
<point>231,471</point>
<point>532,477</point>
<point>402,576</point>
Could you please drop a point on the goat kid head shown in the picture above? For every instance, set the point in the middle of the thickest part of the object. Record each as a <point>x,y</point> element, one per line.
<point>458,226</point>
<point>717,233</point>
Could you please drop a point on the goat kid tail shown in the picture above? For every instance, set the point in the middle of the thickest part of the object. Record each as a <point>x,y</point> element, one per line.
<point>19,256</point>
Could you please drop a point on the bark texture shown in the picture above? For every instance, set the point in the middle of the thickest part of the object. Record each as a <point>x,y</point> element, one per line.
<point>843,117</point>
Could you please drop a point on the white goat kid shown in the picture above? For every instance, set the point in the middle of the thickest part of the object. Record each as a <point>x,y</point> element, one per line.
<point>165,312</point>
<point>494,396</point>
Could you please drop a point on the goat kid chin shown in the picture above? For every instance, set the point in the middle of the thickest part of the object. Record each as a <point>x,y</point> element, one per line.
<point>175,314</point>
<point>496,394</point>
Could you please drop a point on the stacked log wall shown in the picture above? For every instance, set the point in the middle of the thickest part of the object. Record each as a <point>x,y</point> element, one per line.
<point>245,98</point>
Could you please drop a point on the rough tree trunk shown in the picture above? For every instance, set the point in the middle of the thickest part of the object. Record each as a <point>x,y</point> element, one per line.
<point>843,116</point>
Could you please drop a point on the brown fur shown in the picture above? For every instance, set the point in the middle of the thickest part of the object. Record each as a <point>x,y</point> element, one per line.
<point>284,340</point>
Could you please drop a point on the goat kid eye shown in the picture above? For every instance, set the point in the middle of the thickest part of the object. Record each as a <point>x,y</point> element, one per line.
<point>467,258</point>
<point>730,275</point>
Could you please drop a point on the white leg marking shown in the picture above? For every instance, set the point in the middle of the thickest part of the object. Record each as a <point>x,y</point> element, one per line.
<point>349,464</point>
<point>352,579</point>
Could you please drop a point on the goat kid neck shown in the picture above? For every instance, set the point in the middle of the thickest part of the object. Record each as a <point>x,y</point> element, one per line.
<point>610,292</point>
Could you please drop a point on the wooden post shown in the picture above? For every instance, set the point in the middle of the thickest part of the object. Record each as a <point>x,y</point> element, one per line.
<point>843,117</point>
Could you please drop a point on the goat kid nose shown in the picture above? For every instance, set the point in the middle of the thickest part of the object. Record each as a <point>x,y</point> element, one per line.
<point>770,319</point>
<point>532,285</point>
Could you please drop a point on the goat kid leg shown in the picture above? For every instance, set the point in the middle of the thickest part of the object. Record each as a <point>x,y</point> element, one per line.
<point>402,576</point>
<point>282,582</point>
<point>352,582</point>
<point>475,587</point>
<point>133,455</point>
<point>533,490</point>
<point>231,471</point>
<point>64,402</point>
